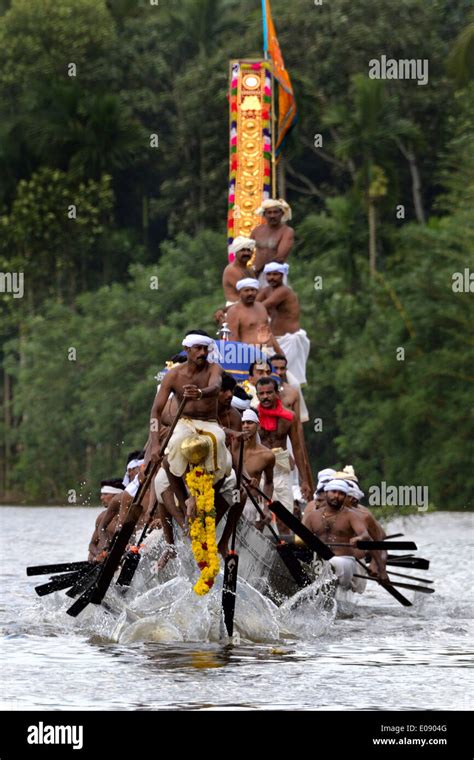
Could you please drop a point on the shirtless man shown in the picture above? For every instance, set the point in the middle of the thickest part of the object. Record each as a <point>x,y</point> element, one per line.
<point>334,524</point>
<point>276,423</point>
<point>110,493</point>
<point>199,382</point>
<point>372,525</point>
<point>228,417</point>
<point>258,460</point>
<point>243,248</point>
<point>274,238</point>
<point>319,500</point>
<point>283,306</point>
<point>248,320</point>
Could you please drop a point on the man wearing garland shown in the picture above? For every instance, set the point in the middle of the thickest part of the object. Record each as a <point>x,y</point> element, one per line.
<point>199,382</point>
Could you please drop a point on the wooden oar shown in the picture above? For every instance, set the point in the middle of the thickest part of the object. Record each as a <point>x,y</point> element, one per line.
<point>411,586</point>
<point>417,563</point>
<point>378,545</point>
<point>318,546</point>
<point>411,577</point>
<point>133,556</point>
<point>231,563</point>
<point>63,567</point>
<point>285,552</point>
<point>295,525</point>
<point>388,587</point>
<point>96,593</point>
<point>58,582</point>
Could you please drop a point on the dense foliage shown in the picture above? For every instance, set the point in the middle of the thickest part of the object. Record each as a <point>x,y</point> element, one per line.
<point>113,176</point>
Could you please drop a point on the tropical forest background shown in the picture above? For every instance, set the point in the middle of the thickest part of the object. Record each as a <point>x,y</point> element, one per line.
<point>80,350</point>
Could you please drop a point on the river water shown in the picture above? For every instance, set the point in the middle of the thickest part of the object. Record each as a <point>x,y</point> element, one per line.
<point>380,657</point>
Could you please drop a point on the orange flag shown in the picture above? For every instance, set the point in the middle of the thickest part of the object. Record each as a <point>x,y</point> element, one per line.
<point>287,115</point>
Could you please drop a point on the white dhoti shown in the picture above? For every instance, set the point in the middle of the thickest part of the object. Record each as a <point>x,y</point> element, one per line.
<point>345,567</point>
<point>304,414</point>
<point>282,478</point>
<point>295,346</point>
<point>161,484</point>
<point>228,489</point>
<point>218,461</point>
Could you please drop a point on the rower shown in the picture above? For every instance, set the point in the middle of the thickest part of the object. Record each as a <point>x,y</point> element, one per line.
<point>334,524</point>
<point>110,493</point>
<point>377,533</point>
<point>258,460</point>
<point>319,497</point>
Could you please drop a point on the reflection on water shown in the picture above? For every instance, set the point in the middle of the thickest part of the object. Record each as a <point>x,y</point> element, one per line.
<point>381,656</point>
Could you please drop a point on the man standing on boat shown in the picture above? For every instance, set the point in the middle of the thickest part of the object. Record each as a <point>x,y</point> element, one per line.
<point>276,423</point>
<point>248,320</point>
<point>283,306</point>
<point>199,382</point>
<point>336,524</point>
<point>242,248</point>
<point>273,237</point>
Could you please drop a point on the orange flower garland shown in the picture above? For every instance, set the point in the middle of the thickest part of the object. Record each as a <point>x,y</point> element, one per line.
<point>203,528</point>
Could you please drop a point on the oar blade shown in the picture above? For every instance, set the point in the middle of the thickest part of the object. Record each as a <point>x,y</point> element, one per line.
<point>388,545</point>
<point>294,567</point>
<point>396,594</point>
<point>58,583</point>
<point>301,530</point>
<point>417,563</point>
<point>62,567</point>
<point>129,568</point>
<point>229,590</point>
<point>84,581</point>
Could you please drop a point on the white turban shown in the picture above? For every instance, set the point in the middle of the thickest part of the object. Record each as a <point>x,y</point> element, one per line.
<point>275,266</point>
<point>111,489</point>
<point>337,485</point>
<point>196,340</point>
<point>134,463</point>
<point>241,243</point>
<point>326,474</point>
<point>240,403</point>
<point>273,203</point>
<point>247,282</point>
<point>250,416</point>
<point>355,492</point>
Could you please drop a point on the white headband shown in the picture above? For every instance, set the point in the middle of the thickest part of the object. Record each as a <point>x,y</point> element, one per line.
<point>240,403</point>
<point>242,243</point>
<point>355,492</point>
<point>196,340</point>
<point>275,266</point>
<point>326,474</point>
<point>111,489</point>
<point>247,282</point>
<point>134,463</point>
<point>250,416</point>
<point>337,485</point>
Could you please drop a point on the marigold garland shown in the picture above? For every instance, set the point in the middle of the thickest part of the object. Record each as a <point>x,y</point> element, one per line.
<point>203,528</point>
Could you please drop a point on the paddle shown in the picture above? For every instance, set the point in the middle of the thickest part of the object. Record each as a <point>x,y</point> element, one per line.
<point>411,577</point>
<point>285,552</point>
<point>133,556</point>
<point>388,587</point>
<point>324,551</point>
<point>231,563</point>
<point>59,582</point>
<point>84,581</point>
<point>122,537</point>
<point>63,567</point>
<point>296,526</point>
<point>379,545</point>
<point>411,586</point>
<point>417,563</point>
